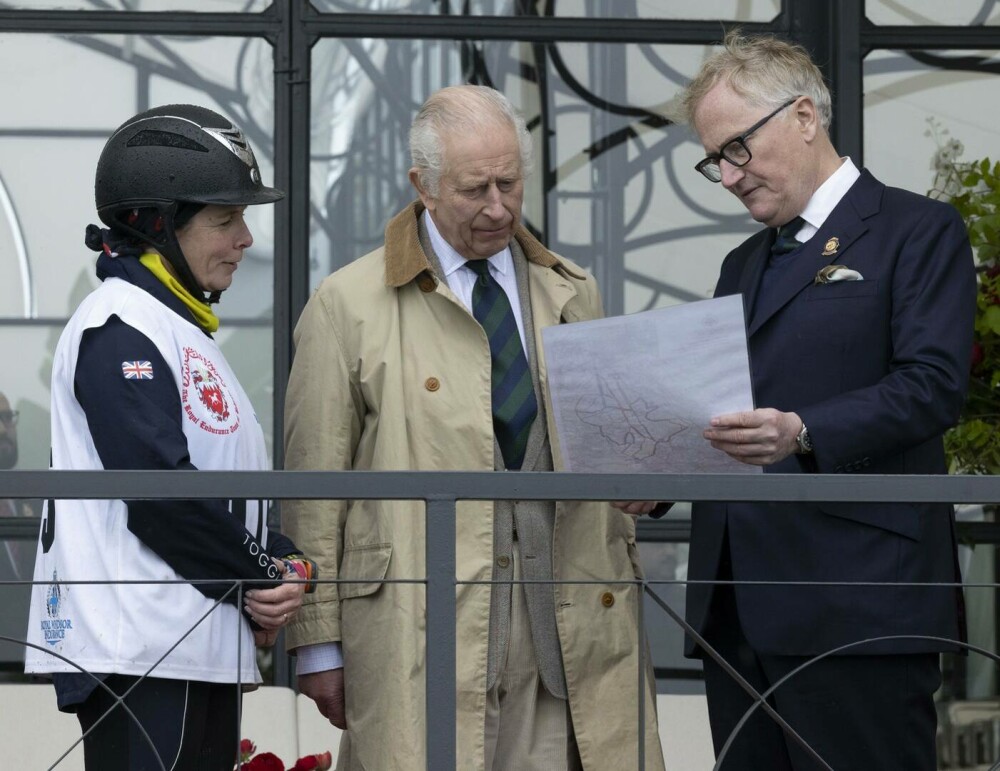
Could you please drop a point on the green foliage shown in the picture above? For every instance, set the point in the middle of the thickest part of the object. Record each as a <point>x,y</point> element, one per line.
<point>973,187</point>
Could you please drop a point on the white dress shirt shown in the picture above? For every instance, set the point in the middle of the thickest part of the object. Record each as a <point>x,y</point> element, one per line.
<point>461,281</point>
<point>826,198</point>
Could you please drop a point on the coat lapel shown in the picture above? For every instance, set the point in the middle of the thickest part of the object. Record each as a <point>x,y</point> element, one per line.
<point>846,223</point>
<point>753,271</point>
<point>550,294</point>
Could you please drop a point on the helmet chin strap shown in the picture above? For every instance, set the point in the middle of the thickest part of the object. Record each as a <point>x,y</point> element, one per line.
<point>171,249</point>
<point>166,243</point>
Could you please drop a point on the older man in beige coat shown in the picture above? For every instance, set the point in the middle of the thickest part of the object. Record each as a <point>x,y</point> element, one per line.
<point>394,372</point>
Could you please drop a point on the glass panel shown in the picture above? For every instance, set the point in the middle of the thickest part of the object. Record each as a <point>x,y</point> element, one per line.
<point>248,351</point>
<point>970,710</point>
<point>669,562</point>
<point>733,10</point>
<point>47,191</point>
<point>17,563</point>
<point>978,563</point>
<point>933,12</point>
<point>47,168</point>
<point>14,598</point>
<point>913,97</point>
<point>26,387</point>
<point>206,6</point>
<point>614,186</point>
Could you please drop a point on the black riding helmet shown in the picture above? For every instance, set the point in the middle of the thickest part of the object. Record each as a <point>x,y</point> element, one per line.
<point>179,156</point>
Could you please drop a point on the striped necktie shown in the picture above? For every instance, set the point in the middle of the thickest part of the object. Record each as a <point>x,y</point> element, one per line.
<point>785,242</point>
<point>514,405</point>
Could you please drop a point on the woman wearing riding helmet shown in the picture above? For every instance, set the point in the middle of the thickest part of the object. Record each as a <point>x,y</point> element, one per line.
<point>138,382</point>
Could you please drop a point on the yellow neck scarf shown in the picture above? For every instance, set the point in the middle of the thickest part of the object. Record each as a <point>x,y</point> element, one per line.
<point>201,310</point>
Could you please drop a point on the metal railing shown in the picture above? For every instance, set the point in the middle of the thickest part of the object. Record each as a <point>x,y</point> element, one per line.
<point>442,490</point>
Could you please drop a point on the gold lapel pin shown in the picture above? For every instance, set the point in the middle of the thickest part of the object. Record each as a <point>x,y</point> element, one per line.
<point>831,247</point>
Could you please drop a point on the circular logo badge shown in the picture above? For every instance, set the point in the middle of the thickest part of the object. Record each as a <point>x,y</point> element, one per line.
<point>205,397</point>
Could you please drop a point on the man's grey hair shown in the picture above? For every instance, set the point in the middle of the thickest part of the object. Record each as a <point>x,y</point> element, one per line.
<point>465,110</point>
<point>763,70</point>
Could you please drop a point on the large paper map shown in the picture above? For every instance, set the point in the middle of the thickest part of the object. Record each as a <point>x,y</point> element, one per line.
<point>634,393</point>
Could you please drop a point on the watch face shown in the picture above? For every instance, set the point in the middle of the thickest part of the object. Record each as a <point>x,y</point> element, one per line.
<point>803,440</point>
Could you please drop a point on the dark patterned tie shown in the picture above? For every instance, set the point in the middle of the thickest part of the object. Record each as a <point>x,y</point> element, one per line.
<point>785,242</point>
<point>514,406</point>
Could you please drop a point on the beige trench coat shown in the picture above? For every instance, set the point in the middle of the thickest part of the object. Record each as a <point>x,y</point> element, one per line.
<point>393,373</point>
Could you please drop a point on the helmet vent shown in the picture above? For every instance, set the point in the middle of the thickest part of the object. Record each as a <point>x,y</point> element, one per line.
<point>154,138</point>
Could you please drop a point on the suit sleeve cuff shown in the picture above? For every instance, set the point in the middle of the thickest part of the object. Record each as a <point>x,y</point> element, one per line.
<point>661,508</point>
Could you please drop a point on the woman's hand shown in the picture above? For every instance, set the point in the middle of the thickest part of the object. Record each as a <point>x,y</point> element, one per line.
<point>273,608</point>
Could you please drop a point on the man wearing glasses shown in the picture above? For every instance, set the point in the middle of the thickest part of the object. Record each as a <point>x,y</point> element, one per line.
<point>859,301</point>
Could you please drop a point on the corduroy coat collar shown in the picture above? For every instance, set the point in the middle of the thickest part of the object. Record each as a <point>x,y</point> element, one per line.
<point>405,259</point>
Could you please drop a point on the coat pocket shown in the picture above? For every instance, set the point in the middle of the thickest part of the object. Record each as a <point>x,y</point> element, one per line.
<point>631,545</point>
<point>363,569</point>
<point>842,289</point>
<point>900,518</point>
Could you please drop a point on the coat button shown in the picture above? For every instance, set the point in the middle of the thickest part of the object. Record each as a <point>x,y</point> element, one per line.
<point>432,384</point>
<point>503,561</point>
<point>607,599</point>
<point>426,283</point>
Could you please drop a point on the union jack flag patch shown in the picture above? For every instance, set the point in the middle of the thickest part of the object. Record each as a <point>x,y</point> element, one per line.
<point>137,370</point>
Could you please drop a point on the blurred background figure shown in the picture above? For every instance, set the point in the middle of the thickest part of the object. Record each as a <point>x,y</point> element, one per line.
<point>17,558</point>
<point>17,555</point>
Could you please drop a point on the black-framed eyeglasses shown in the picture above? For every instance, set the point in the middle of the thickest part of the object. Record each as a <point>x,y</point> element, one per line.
<point>9,417</point>
<point>735,152</point>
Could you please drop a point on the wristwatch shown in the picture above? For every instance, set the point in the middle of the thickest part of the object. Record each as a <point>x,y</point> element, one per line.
<point>804,441</point>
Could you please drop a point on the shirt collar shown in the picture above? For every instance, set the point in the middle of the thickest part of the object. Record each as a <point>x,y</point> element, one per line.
<point>451,260</point>
<point>405,258</point>
<point>828,195</point>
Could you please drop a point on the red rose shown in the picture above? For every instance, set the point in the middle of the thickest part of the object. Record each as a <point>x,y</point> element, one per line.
<point>247,748</point>
<point>266,761</point>
<point>321,762</point>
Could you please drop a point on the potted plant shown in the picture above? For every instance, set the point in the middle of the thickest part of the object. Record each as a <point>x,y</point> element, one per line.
<point>973,188</point>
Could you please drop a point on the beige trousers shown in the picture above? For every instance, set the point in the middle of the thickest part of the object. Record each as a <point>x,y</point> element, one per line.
<point>527,728</point>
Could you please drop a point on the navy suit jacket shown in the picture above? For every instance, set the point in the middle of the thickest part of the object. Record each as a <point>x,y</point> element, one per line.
<point>878,370</point>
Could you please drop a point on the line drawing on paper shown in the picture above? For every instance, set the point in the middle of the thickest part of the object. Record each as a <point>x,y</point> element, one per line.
<point>636,428</point>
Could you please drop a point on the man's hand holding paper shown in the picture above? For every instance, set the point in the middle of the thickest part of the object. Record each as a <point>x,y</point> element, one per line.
<point>759,437</point>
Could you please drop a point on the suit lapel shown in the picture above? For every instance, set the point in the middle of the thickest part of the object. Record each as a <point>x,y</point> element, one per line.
<point>753,272</point>
<point>846,224</point>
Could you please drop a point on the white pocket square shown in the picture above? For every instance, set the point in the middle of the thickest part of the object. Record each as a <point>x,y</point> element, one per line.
<point>833,273</point>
